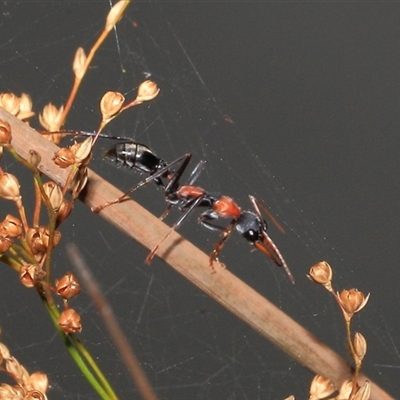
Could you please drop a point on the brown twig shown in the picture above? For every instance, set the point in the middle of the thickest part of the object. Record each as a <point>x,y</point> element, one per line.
<point>235,295</point>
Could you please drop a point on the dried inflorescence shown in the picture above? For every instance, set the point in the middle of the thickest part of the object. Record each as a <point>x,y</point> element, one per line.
<point>350,301</point>
<point>28,386</point>
<point>21,107</point>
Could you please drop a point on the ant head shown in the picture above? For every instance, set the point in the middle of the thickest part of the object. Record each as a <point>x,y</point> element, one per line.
<point>250,226</point>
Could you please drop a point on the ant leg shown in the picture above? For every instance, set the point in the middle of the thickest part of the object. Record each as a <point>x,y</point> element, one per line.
<point>196,172</point>
<point>219,245</point>
<point>183,159</point>
<point>174,227</point>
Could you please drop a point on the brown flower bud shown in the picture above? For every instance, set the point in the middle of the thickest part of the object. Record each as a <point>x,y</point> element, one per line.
<point>79,64</point>
<point>10,102</point>
<point>50,118</point>
<point>364,392</point>
<point>360,346</point>
<point>321,273</point>
<point>70,321</point>
<point>5,133</point>
<point>320,388</point>
<point>30,275</point>
<point>147,91</point>
<point>68,286</point>
<point>115,14</point>
<point>25,108</point>
<point>351,301</point>
<point>38,381</point>
<point>11,226</point>
<point>64,157</point>
<point>9,186</point>
<point>54,193</point>
<point>345,390</point>
<point>111,104</point>
<point>5,243</point>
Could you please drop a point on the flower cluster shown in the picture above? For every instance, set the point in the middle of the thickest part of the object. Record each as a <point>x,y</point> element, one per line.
<point>27,386</point>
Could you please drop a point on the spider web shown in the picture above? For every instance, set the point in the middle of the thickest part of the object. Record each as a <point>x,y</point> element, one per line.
<point>265,94</point>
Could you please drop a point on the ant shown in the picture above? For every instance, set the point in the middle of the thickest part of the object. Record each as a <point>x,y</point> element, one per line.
<point>250,224</point>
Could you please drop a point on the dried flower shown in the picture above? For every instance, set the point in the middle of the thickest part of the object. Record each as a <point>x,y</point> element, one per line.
<point>54,193</point>
<point>10,102</point>
<point>30,275</point>
<point>5,244</point>
<point>25,107</point>
<point>8,392</point>
<point>147,91</point>
<point>9,186</point>
<point>11,226</point>
<point>64,157</point>
<point>364,392</point>
<point>70,321</point>
<point>345,390</point>
<point>79,64</point>
<point>50,118</point>
<point>64,211</point>
<point>5,133</point>
<point>16,370</point>
<point>115,14</point>
<point>360,346</point>
<point>82,151</point>
<point>68,286</point>
<point>38,381</point>
<point>320,388</point>
<point>5,353</point>
<point>79,182</point>
<point>321,273</point>
<point>111,104</point>
<point>351,301</point>
<point>38,239</point>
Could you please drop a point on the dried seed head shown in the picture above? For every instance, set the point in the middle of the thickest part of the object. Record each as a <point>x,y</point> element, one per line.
<point>364,392</point>
<point>321,273</point>
<point>50,118</point>
<point>11,226</point>
<point>64,157</point>
<point>54,193</point>
<point>5,353</point>
<point>115,14</point>
<point>70,321</point>
<point>30,275</point>
<point>10,102</point>
<point>79,182</point>
<point>320,388</point>
<point>351,301</point>
<point>360,346</point>
<point>111,104</point>
<point>38,381</point>
<point>82,151</point>
<point>25,108</point>
<point>345,390</point>
<point>78,65</point>
<point>38,239</point>
<point>5,133</point>
<point>64,211</point>
<point>68,286</point>
<point>147,91</point>
<point>9,187</point>
<point>5,243</point>
<point>8,392</point>
<point>16,370</point>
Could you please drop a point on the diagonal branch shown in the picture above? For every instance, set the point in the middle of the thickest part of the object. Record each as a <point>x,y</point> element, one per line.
<point>224,287</point>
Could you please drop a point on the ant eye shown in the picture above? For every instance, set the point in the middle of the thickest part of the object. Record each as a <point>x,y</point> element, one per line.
<point>251,235</point>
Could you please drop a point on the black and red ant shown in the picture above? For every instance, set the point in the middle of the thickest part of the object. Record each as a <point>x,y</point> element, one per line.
<point>250,224</point>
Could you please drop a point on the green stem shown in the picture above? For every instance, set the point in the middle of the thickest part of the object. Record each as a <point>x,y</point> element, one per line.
<point>79,353</point>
